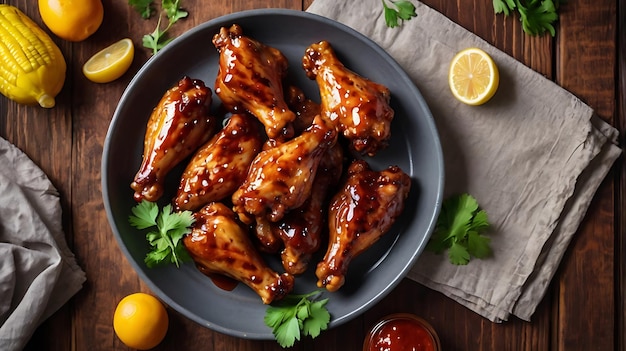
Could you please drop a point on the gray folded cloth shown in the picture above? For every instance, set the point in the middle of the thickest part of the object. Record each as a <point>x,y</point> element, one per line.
<point>533,157</point>
<point>38,272</point>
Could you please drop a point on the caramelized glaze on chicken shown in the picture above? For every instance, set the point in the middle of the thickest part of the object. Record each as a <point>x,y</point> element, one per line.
<point>304,108</point>
<point>280,178</point>
<point>178,125</point>
<point>219,244</point>
<point>267,238</point>
<point>357,106</point>
<point>250,79</point>
<point>304,228</point>
<point>360,213</point>
<point>219,167</point>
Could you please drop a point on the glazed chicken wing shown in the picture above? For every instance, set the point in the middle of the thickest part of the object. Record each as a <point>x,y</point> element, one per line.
<point>219,167</point>
<point>302,230</point>
<point>178,125</point>
<point>250,79</point>
<point>219,244</point>
<point>360,213</point>
<point>280,178</point>
<point>299,233</point>
<point>357,106</point>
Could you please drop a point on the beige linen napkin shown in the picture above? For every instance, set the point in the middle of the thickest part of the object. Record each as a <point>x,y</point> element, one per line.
<point>533,157</point>
<point>38,272</point>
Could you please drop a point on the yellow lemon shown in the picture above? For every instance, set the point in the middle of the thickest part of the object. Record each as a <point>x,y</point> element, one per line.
<point>473,76</point>
<point>72,20</point>
<point>110,63</point>
<point>140,321</point>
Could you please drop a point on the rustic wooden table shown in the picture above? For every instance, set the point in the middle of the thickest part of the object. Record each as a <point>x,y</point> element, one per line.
<point>583,309</point>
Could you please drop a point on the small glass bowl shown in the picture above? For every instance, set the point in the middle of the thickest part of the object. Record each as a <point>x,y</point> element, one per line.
<point>402,331</point>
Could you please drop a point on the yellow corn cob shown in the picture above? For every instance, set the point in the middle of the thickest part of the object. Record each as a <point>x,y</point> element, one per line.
<point>32,67</point>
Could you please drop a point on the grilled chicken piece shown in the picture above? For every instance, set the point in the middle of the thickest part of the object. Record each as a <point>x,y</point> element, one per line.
<point>266,236</point>
<point>357,106</point>
<point>219,244</point>
<point>360,213</point>
<point>300,232</point>
<point>250,79</point>
<point>219,167</point>
<point>305,108</point>
<point>177,127</point>
<point>280,178</point>
<point>303,230</point>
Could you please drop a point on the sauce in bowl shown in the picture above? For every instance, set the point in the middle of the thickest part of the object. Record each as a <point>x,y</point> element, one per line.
<point>402,332</point>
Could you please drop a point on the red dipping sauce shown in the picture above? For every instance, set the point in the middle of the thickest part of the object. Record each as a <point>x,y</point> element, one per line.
<point>402,332</point>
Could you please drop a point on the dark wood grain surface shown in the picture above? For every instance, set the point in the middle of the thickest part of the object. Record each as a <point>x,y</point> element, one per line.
<point>584,307</point>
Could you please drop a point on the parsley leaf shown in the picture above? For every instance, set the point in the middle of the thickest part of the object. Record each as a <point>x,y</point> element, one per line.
<point>317,320</point>
<point>397,10</point>
<point>537,16</point>
<point>173,12</point>
<point>458,230</point>
<point>504,6</point>
<point>166,241</point>
<point>144,215</point>
<point>297,315</point>
<point>458,254</point>
<point>144,7</point>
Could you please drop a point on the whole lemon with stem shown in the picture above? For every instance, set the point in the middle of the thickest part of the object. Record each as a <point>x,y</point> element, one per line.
<point>140,321</point>
<point>72,20</point>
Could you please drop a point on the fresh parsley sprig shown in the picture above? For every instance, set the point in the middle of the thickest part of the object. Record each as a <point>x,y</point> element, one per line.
<point>397,11</point>
<point>459,229</point>
<point>297,315</point>
<point>159,37</point>
<point>166,241</point>
<point>537,16</point>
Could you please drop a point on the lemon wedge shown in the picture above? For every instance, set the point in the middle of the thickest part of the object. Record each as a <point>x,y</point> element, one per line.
<point>473,76</point>
<point>110,63</point>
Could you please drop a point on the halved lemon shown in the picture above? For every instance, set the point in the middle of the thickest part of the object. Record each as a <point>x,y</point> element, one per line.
<point>110,63</point>
<point>473,76</point>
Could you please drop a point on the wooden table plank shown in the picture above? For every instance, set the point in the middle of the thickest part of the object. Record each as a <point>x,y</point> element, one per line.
<point>620,213</point>
<point>586,67</point>
<point>67,143</point>
<point>503,32</point>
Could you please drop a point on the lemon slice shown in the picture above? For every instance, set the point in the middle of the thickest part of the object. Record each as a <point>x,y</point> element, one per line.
<point>473,76</point>
<point>110,63</point>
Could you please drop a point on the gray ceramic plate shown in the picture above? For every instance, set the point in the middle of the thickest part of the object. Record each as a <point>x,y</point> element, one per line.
<point>414,147</point>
